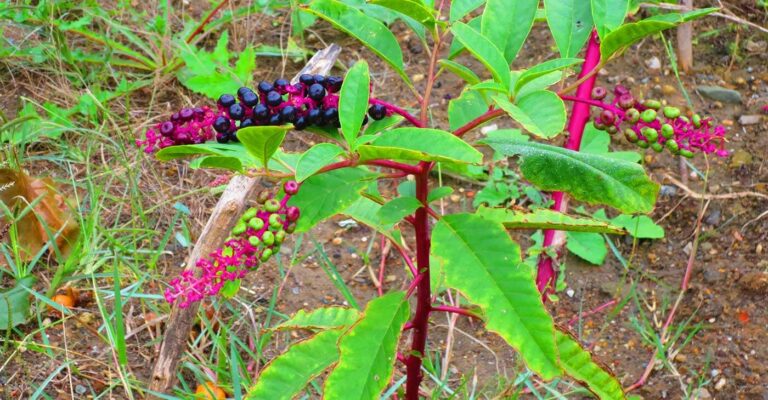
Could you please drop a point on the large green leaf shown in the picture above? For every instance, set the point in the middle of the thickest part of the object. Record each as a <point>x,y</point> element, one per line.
<point>370,32</point>
<point>461,71</point>
<point>232,155</point>
<point>587,177</point>
<point>353,101</point>
<point>484,50</point>
<point>639,226</point>
<point>547,219</point>
<point>541,113</point>
<point>627,34</point>
<point>595,141</point>
<point>397,209</point>
<point>368,350</point>
<point>325,195</point>
<point>608,15</point>
<point>480,260</point>
<point>544,68</point>
<point>420,144</point>
<point>570,22</point>
<point>412,8</point>
<point>578,364</point>
<point>463,109</point>
<point>286,375</point>
<point>262,141</point>
<point>460,8</point>
<point>14,303</point>
<point>366,211</point>
<point>317,157</point>
<point>588,246</point>
<point>321,318</point>
<point>507,23</point>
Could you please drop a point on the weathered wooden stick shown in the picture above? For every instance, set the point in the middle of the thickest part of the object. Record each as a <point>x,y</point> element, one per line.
<point>223,218</point>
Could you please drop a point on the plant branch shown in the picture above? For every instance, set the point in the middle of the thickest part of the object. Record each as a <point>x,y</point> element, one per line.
<point>400,111</point>
<point>456,310</point>
<point>205,22</point>
<point>483,118</point>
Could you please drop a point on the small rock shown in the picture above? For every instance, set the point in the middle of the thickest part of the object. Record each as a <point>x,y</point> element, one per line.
<point>720,384</point>
<point>668,90</point>
<point>390,278</point>
<point>336,241</point>
<point>740,158</point>
<point>348,223</point>
<point>701,394</point>
<point>80,389</point>
<point>750,119</point>
<point>712,275</point>
<point>755,281</point>
<point>455,198</point>
<point>295,290</point>
<point>570,292</point>
<point>713,218</point>
<point>667,190</point>
<point>755,47</point>
<point>653,63</point>
<point>418,78</point>
<point>489,128</point>
<point>705,246</point>
<point>720,93</point>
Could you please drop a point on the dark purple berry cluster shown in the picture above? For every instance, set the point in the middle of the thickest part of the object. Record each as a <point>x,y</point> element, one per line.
<point>649,124</point>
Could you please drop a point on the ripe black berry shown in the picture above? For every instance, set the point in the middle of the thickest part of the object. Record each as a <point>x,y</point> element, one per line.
<point>377,111</point>
<point>175,117</point>
<point>246,123</point>
<point>307,79</point>
<point>222,138</point>
<point>186,114</point>
<point>167,128</point>
<point>232,136</point>
<point>249,98</point>
<point>281,84</point>
<point>236,111</point>
<point>221,124</point>
<point>300,123</point>
<point>275,119</point>
<point>261,112</point>
<point>199,113</point>
<point>265,87</point>
<point>274,99</point>
<point>288,114</point>
<point>333,83</point>
<point>242,91</point>
<point>314,116</point>
<point>320,79</point>
<point>330,115</point>
<point>226,100</point>
<point>316,92</point>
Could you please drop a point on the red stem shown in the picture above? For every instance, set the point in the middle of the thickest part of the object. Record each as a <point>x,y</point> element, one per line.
<point>206,21</point>
<point>455,310</point>
<point>397,110</point>
<point>411,169</point>
<point>489,115</point>
<point>546,275</point>
<point>592,311</point>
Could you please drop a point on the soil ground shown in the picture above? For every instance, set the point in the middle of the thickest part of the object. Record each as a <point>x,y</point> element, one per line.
<point>723,318</point>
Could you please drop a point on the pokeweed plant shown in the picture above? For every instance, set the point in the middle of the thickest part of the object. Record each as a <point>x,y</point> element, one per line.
<point>369,140</point>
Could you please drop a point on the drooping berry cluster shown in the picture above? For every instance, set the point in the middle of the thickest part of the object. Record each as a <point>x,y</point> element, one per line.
<point>255,238</point>
<point>313,101</point>
<point>188,126</point>
<point>649,124</point>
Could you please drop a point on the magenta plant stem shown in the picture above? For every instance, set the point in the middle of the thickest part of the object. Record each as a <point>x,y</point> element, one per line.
<point>455,310</point>
<point>397,110</point>
<point>546,275</point>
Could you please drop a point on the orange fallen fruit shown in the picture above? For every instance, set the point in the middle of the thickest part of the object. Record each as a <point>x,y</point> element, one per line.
<point>64,300</point>
<point>209,391</point>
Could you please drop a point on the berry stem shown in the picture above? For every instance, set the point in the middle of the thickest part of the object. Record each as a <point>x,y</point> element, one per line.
<point>594,103</point>
<point>483,118</point>
<point>546,275</point>
<point>455,310</point>
<point>397,110</point>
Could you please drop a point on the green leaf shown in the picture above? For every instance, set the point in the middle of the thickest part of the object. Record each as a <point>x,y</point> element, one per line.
<point>543,69</point>
<point>587,177</point>
<point>439,193</point>
<point>321,318</point>
<point>245,65</point>
<point>368,350</point>
<point>608,15</point>
<point>542,112</point>
<point>230,288</point>
<point>595,141</point>
<point>547,219</point>
<point>231,156</point>
<point>287,374</point>
<point>325,195</point>
<point>420,144</point>
<point>460,8</point>
<point>640,226</point>
<point>366,211</point>
<point>262,141</point>
<point>210,73</point>
<point>465,108</point>
<point>370,32</point>
<point>579,365</point>
<point>461,71</point>
<point>397,209</point>
<point>217,162</point>
<point>507,23</point>
<point>353,101</point>
<point>375,127</point>
<point>484,50</point>
<point>570,22</point>
<point>481,261</point>
<point>14,303</point>
<point>628,34</point>
<point>317,157</point>
<point>540,83</point>
<point>588,246</point>
<point>412,8</point>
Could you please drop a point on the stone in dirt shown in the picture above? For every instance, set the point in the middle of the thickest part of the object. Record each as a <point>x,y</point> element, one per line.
<point>720,93</point>
<point>750,119</point>
<point>755,282</point>
<point>740,157</point>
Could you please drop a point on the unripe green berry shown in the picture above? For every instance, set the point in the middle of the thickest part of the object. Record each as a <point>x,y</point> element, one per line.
<point>248,214</point>
<point>254,241</point>
<point>280,236</point>
<point>256,223</point>
<point>672,146</point>
<point>652,135</point>
<point>657,147</point>
<point>630,135</point>
<point>633,115</point>
<point>697,120</point>
<point>266,255</point>
<point>274,221</point>
<point>667,131</point>
<point>272,205</point>
<point>671,112</point>
<point>290,228</point>
<point>653,104</point>
<point>239,229</point>
<point>648,116</point>
<point>263,196</point>
<point>686,153</point>
<point>268,238</point>
<point>612,129</point>
<point>684,119</point>
<point>642,144</point>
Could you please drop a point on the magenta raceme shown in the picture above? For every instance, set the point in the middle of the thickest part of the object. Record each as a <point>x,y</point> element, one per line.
<point>256,237</point>
<point>649,124</point>
<point>313,101</point>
